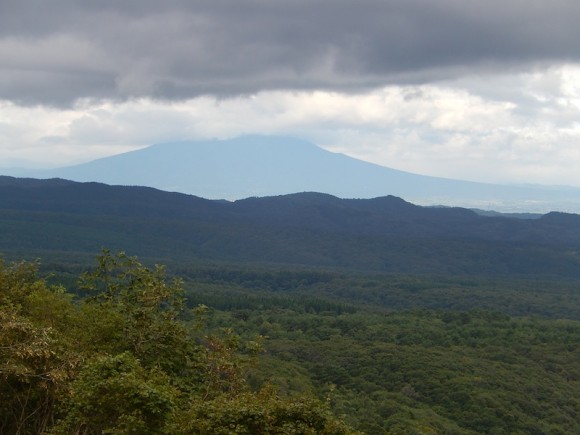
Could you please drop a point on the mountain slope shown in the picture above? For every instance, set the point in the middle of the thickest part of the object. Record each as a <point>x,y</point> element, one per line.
<point>382,234</point>
<point>265,166</point>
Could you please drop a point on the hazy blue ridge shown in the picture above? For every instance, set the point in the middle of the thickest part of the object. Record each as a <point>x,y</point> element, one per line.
<point>265,166</point>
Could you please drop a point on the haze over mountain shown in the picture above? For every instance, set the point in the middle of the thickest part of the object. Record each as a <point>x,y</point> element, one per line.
<point>265,166</point>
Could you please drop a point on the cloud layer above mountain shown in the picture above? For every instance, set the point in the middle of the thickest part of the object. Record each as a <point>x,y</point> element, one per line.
<point>471,89</point>
<point>56,52</point>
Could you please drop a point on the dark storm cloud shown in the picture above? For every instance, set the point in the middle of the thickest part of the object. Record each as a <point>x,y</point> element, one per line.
<point>54,52</point>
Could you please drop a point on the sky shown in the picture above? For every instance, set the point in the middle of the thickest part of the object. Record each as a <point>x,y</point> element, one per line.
<point>467,89</point>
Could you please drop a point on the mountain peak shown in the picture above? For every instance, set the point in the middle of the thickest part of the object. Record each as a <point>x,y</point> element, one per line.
<point>259,166</point>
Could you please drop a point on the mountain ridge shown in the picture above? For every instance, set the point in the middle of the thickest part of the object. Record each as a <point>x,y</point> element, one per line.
<point>386,234</point>
<point>262,166</point>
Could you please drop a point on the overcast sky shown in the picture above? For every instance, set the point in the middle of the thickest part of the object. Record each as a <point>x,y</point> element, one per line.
<point>471,89</point>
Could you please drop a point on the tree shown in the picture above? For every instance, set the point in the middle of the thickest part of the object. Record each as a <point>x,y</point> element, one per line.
<point>36,361</point>
<point>115,394</point>
<point>124,360</point>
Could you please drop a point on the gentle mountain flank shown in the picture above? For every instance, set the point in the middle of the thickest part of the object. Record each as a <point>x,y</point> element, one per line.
<point>266,166</point>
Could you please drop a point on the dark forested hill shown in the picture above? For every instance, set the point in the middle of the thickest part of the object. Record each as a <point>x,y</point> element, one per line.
<point>382,234</point>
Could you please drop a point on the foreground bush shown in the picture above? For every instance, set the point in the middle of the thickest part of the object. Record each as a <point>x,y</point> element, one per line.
<point>124,360</point>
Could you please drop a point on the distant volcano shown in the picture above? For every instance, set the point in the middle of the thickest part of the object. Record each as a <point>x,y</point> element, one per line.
<point>263,166</point>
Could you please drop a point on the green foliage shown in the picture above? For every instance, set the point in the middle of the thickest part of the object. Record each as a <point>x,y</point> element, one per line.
<point>149,309</point>
<point>115,394</point>
<point>427,372</point>
<point>130,357</point>
<point>125,360</point>
<point>261,413</point>
<point>36,360</point>
<point>242,288</point>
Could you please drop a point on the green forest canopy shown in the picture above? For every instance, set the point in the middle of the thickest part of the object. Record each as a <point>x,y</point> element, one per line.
<point>130,356</point>
<point>125,360</point>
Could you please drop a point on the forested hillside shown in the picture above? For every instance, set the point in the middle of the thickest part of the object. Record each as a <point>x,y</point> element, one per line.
<point>303,313</point>
<point>73,220</point>
<point>126,350</point>
<point>416,354</point>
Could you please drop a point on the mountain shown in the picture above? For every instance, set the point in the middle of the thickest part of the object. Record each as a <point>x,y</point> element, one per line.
<point>265,166</point>
<point>386,234</point>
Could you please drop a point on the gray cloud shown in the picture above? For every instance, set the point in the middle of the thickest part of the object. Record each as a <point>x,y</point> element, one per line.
<point>55,52</point>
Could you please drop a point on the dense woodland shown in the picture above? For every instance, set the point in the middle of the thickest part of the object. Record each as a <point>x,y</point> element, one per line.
<point>297,314</point>
<point>122,348</point>
<point>417,354</point>
<point>130,359</point>
<point>63,220</point>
